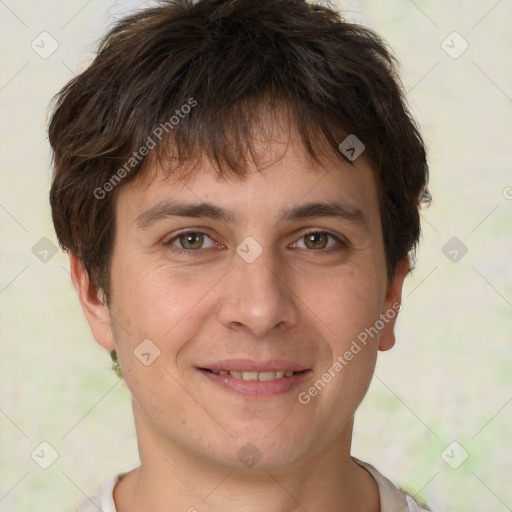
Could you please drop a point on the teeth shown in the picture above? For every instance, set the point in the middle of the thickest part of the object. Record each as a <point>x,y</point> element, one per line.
<point>269,375</point>
<point>261,376</point>
<point>250,375</point>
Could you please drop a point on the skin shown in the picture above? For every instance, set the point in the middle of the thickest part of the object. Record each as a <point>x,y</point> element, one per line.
<point>295,301</point>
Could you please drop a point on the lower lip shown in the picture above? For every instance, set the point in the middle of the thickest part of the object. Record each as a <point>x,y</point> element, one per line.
<point>257,388</point>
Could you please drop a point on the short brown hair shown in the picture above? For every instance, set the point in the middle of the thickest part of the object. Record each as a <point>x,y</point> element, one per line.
<point>232,58</point>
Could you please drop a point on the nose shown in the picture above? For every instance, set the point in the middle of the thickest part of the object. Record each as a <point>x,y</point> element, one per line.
<point>257,298</point>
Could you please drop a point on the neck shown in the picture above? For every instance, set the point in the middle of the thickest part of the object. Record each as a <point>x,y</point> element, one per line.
<point>173,478</point>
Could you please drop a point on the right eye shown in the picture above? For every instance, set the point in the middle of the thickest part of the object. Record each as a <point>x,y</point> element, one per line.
<point>190,241</point>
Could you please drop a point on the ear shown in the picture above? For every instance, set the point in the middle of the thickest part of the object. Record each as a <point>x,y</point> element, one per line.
<point>392,304</point>
<point>92,302</point>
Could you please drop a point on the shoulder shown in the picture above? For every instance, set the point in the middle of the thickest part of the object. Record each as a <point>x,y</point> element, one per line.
<point>391,496</point>
<point>104,501</point>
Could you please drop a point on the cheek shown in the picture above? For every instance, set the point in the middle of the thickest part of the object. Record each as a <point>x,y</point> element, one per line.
<point>345,302</point>
<point>347,312</point>
<point>343,306</point>
<point>161,303</point>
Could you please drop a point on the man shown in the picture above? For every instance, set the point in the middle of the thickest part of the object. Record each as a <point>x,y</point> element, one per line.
<point>238,184</point>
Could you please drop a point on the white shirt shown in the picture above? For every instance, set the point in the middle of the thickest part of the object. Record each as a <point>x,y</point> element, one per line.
<point>392,499</point>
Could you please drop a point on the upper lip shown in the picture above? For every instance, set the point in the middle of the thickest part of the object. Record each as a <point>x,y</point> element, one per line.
<point>250,365</point>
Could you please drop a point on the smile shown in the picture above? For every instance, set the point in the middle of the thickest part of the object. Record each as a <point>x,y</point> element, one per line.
<point>252,384</point>
<point>261,376</point>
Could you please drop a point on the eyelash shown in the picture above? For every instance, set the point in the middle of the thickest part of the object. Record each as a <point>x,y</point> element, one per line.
<point>342,243</point>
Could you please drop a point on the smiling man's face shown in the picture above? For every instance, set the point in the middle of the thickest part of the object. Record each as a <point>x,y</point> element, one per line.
<point>238,284</point>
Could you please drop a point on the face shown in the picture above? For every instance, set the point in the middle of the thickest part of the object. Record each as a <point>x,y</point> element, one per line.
<point>238,309</point>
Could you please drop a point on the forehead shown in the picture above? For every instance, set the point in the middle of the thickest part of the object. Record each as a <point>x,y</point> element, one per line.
<point>284,176</point>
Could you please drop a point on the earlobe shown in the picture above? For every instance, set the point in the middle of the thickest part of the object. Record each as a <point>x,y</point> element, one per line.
<point>92,302</point>
<point>392,304</point>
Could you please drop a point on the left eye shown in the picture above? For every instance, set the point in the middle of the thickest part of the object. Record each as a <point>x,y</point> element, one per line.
<point>191,241</point>
<point>317,240</point>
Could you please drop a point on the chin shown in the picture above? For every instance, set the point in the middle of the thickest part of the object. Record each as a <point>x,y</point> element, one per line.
<point>260,452</point>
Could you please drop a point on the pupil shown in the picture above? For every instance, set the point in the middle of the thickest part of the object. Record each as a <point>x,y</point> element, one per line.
<point>192,240</point>
<point>317,240</point>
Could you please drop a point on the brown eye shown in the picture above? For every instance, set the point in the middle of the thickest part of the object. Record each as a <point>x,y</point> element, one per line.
<point>316,240</point>
<point>320,241</point>
<point>191,241</point>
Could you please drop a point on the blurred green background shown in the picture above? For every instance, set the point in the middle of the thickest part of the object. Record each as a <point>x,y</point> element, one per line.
<point>442,394</point>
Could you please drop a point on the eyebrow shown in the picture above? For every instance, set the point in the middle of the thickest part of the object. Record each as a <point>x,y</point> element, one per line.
<point>167,209</point>
<point>334,209</point>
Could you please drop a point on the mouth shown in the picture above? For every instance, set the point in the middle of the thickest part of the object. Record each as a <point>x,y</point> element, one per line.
<point>252,380</point>
<point>259,376</point>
